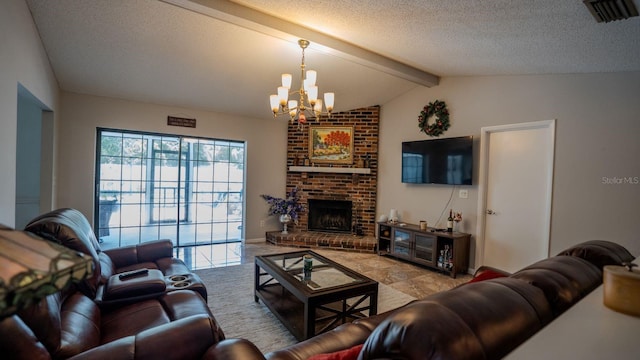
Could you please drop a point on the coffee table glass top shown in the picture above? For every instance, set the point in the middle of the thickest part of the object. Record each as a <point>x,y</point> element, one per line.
<point>324,274</point>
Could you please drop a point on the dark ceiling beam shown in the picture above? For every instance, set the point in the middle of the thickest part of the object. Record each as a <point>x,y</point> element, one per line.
<point>270,25</point>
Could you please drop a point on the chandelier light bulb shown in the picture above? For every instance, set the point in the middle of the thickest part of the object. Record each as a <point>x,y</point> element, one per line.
<point>275,104</point>
<point>312,94</point>
<point>328,101</point>
<point>311,76</point>
<point>286,80</point>
<point>283,95</point>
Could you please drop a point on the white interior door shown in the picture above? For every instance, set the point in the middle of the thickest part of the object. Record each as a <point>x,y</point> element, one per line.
<point>517,169</point>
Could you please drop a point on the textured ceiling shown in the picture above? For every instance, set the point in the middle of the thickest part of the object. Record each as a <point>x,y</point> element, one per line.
<point>156,52</point>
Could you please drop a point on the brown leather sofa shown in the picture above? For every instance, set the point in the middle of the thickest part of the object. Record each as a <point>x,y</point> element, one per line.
<point>479,320</point>
<point>68,324</point>
<point>169,324</point>
<point>70,228</point>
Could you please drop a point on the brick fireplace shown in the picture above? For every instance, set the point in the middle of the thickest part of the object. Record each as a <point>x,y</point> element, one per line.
<point>358,189</point>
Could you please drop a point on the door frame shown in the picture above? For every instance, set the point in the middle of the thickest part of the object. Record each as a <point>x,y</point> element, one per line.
<point>483,176</point>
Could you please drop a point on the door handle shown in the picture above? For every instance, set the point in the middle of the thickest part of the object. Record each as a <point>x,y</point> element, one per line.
<point>491,212</point>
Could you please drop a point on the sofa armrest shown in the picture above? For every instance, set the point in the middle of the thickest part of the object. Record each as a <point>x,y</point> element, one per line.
<point>120,289</point>
<point>341,338</point>
<point>230,349</point>
<point>145,252</point>
<point>187,338</point>
<point>151,251</point>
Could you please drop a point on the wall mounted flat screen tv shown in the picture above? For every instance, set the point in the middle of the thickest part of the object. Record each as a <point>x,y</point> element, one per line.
<point>439,161</point>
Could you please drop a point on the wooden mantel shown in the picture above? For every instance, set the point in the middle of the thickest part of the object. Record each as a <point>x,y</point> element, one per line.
<point>327,169</point>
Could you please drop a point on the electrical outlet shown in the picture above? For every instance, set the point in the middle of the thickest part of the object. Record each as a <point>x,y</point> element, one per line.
<point>262,223</point>
<point>463,194</point>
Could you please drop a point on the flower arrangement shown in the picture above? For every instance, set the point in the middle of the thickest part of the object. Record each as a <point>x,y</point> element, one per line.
<point>287,206</point>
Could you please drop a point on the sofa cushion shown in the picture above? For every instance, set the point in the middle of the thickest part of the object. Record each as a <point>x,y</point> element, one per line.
<point>66,325</point>
<point>481,320</point>
<point>600,253</point>
<point>563,279</point>
<point>71,229</point>
<point>80,320</point>
<point>188,338</point>
<point>107,270</point>
<point>132,319</point>
<point>172,266</point>
<point>18,341</point>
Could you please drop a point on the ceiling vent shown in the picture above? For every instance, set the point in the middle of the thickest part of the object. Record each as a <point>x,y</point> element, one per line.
<point>611,10</point>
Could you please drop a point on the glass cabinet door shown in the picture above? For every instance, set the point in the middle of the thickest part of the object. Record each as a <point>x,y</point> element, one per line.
<point>424,248</point>
<point>401,242</point>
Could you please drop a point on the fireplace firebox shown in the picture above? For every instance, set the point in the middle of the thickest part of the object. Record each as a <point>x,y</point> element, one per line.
<point>330,215</point>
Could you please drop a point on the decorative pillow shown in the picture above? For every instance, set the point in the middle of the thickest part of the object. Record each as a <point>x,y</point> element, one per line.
<point>486,275</point>
<point>347,354</point>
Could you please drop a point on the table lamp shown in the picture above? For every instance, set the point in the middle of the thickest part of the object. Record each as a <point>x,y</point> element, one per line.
<point>32,268</point>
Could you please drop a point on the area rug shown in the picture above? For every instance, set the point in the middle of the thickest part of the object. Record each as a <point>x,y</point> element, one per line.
<point>230,298</point>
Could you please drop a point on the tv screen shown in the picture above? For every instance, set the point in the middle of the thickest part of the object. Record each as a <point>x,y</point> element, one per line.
<point>440,161</point>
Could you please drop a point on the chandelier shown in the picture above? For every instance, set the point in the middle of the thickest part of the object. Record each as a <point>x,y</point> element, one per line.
<point>308,106</point>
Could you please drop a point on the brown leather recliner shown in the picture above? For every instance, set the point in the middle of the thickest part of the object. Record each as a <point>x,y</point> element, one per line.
<point>71,228</point>
<point>69,323</point>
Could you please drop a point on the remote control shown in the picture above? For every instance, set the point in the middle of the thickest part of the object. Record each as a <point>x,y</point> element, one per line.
<point>130,274</point>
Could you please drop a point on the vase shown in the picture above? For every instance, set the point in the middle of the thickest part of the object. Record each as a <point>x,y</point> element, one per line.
<point>285,219</point>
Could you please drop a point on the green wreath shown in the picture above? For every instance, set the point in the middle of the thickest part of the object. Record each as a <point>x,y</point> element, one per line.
<point>441,123</point>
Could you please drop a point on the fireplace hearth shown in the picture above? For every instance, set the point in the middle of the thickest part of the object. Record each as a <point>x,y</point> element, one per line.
<point>330,215</point>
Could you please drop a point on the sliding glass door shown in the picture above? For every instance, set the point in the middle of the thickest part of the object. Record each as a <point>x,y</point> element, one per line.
<point>156,186</point>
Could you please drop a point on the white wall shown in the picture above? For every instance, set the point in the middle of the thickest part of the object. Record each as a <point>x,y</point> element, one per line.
<point>266,141</point>
<point>597,134</point>
<point>22,60</point>
<point>28,151</point>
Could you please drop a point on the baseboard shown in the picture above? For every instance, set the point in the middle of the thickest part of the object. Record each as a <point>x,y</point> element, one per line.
<point>255,241</point>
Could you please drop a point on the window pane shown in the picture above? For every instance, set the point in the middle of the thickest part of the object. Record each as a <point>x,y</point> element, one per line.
<point>152,186</point>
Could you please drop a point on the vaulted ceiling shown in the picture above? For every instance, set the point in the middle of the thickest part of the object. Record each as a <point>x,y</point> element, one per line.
<point>228,56</point>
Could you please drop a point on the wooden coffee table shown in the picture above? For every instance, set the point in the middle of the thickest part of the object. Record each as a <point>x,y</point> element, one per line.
<point>311,302</point>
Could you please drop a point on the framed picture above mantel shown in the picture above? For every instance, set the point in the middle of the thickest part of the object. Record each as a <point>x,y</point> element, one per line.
<point>331,144</point>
